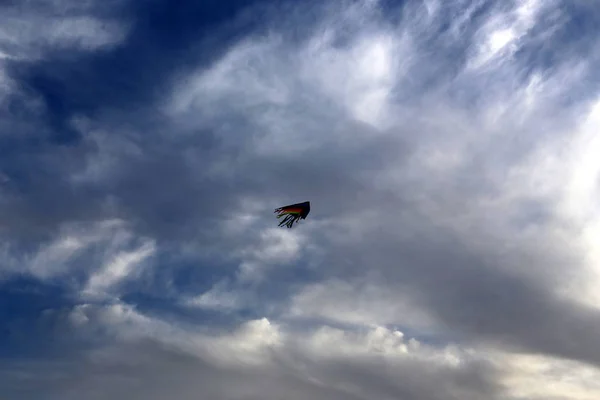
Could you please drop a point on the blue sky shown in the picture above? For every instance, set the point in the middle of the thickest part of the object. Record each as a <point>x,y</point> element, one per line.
<point>449,151</point>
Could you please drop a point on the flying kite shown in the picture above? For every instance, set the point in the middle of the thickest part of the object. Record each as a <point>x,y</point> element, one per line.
<point>293,213</point>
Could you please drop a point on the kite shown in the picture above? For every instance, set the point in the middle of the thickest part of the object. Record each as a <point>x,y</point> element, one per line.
<point>293,213</point>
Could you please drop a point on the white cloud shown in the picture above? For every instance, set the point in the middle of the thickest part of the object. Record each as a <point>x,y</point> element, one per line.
<point>56,257</point>
<point>534,377</point>
<point>27,33</point>
<point>501,36</point>
<point>120,266</point>
<point>577,173</point>
<point>363,304</point>
<point>219,297</point>
<point>262,342</point>
<point>356,363</point>
<point>248,344</point>
<point>276,248</point>
<point>99,251</point>
<point>360,77</point>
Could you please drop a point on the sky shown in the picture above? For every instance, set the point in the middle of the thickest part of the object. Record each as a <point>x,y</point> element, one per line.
<point>448,149</point>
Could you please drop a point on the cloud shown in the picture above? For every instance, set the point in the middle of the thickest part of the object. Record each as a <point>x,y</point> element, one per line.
<point>448,151</point>
<point>528,376</point>
<point>265,359</point>
<point>120,267</point>
<point>34,28</point>
<point>359,303</point>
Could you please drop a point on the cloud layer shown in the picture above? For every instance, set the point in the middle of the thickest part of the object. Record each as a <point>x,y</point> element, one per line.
<point>448,150</point>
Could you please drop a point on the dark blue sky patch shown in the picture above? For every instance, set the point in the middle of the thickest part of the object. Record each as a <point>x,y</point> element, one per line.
<point>59,106</point>
<point>166,37</point>
<point>23,305</point>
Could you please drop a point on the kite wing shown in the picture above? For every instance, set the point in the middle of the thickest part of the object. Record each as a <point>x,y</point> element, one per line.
<point>293,213</point>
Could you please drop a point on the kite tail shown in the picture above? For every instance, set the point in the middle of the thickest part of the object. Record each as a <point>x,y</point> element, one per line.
<point>291,216</point>
<point>289,220</point>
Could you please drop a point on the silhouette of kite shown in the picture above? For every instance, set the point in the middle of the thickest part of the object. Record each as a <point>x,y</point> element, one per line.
<point>293,213</point>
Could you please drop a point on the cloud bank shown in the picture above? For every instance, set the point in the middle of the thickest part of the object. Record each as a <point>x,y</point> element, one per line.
<point>448,150</point>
